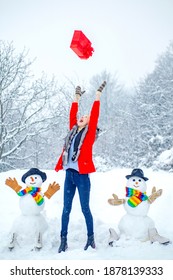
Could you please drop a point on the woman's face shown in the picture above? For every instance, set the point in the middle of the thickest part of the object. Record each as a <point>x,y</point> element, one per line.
<point>83,121</point>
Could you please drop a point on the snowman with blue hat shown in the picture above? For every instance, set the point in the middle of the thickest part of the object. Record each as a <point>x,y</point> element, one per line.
<point>136,223</point>
<point>32,201</point>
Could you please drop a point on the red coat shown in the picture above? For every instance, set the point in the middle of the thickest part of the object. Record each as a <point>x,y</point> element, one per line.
<point>85,161</point>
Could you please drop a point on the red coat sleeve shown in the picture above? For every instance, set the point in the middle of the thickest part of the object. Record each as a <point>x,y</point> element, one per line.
<point>94,116</point>
<point>73,115</point>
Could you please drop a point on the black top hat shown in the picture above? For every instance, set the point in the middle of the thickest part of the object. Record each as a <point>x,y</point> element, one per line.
<point>34,171</point>
<point>137,172</point>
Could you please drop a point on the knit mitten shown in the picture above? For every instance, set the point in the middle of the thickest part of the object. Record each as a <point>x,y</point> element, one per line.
<point>78,91</point>
<point>52,189</point>
<point>12,183</point>
<point>115,200</point>
<point>154,194</point>
<point>102,86</point>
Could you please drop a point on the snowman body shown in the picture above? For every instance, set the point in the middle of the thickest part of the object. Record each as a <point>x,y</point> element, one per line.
<point>31,222</point>
<point>135,223</point>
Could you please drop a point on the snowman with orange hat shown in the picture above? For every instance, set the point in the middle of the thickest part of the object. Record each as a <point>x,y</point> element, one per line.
<point>31,223</point>
<point>136,223</point>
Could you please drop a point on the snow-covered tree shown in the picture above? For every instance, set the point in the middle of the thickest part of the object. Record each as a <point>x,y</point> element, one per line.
<point>24,107</point>
<point>153,110</point>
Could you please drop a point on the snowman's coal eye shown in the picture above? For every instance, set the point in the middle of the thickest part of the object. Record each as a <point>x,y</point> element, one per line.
<point>134,180</point>
<point>139,180</point>
<point>35,177</point>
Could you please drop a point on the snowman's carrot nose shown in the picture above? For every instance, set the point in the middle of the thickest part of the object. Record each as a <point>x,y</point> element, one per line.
<point>32,179</point>
<point>136,183</point>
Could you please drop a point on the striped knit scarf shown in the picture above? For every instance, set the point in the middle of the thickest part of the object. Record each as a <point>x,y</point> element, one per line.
<point>68,141</point>
<point>34,191</point>
<point>136,197</point>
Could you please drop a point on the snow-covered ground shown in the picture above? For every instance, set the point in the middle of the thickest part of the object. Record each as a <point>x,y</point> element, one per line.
<point>105,216</point>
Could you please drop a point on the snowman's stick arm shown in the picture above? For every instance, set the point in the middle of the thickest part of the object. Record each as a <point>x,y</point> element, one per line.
<point>12,183</point>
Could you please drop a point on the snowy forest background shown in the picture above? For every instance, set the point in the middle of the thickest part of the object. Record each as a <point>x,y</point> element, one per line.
<point>136,124</point>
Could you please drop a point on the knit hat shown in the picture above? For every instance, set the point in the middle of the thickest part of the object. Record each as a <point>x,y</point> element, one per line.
<point>138,173</point>
<point>34,171</point>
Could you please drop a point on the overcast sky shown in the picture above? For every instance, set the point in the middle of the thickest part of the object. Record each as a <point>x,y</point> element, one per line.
<point>127,35</point>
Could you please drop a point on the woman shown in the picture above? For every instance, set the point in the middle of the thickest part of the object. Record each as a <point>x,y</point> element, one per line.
<point>76,159</point>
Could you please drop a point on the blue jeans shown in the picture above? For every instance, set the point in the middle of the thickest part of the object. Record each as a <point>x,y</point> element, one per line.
<point>75,180</point>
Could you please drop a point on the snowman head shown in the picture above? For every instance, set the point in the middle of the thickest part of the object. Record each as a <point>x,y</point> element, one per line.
<point>34,181</point>
<point>137,180</point>
<point>34,178</point>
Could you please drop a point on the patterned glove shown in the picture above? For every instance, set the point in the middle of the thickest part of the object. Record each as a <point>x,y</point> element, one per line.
<point>12,183</point>
<point>78,91</point>
<point>52,189</point>
<point>102,86</point>
<point>115,200</point>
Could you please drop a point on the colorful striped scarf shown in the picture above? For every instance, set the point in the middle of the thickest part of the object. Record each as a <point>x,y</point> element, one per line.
<point>136,197</point>
<point>34,191</point>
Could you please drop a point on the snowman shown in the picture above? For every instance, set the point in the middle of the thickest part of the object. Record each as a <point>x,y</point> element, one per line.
<point>31,224</point>
<point>135,223</point>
